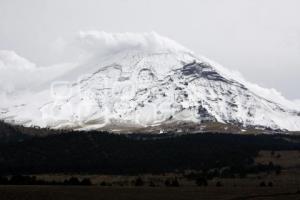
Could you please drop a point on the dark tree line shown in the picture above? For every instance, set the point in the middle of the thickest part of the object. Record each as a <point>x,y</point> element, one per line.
<point>101,152</point>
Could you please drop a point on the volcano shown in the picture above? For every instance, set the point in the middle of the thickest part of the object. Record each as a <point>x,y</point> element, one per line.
<point>145,81</point>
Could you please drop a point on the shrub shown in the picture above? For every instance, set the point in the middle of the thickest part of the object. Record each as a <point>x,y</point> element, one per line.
<point>3,180</point>
<point>278,170</point>
<point>168,183</point>
<point>172,182</point>
<point>86,181</point>
<point>262,184</point>
<point>201,182</point>
<point>139,182</point>
<point>72,181</point>
<point>270,184</point>
<point>103,183</point>
<point>219,184</point>
<point>151,184</point>
<point>175,183</point>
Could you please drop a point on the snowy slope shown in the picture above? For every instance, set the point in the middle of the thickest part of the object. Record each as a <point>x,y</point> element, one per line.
<point>149,82</point>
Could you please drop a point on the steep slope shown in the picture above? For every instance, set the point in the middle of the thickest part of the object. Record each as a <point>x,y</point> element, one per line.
<point>143,87</point>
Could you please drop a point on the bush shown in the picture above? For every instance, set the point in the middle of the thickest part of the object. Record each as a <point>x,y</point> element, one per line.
<point>151,184</point>
<point>3,180</point>
<point>168,183</point>
<point>175,183</point>
<point>32,180</point>
<point>172,182</point>
<point>72,181</point>
<point>262,184</point>
<point>23,180</point>
<point>278,170</point>
<point>201,182</point>
<point>103,183</point>
<point>139,182</point>
<point>86,181</point>
<point>278,156</point>
<point>270,184</point>
<point>272,153</point>
<point>219,184</point>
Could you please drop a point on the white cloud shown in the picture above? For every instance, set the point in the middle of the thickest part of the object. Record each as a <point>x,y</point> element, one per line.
<point>18,74</point>
<point>10,60</point>
<point>103,43</point>
<point>15,71</point>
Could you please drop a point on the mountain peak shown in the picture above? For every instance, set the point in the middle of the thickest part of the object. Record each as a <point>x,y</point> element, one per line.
<point>131,81</point>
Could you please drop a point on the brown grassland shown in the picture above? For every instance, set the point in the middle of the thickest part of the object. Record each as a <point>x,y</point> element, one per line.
<point>285,185</point>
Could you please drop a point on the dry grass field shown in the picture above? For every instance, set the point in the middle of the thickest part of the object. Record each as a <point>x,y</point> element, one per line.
<point>134,193</point>
<point>285,186</point>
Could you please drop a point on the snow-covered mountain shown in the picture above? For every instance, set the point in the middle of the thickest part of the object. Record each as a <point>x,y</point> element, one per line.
<point>143,80</point>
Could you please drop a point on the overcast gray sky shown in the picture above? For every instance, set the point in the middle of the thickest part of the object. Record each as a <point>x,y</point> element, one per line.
<point>259,38</point>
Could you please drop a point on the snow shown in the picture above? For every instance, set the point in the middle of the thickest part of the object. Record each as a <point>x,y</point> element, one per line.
<point>268,93</point>
<point>136,80</point>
